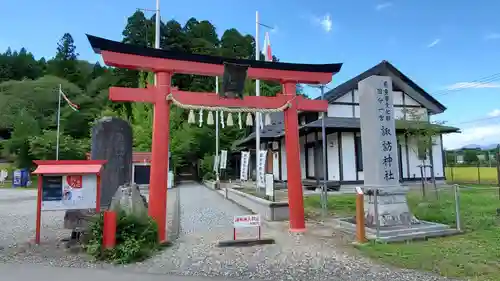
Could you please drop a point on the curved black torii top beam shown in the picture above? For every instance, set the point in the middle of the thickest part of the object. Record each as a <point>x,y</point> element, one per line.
<point>101,44</point>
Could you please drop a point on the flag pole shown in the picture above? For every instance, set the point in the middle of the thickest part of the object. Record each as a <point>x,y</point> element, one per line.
<point>257,114</point>
<point>324,190</point>
<point>157,31</point>
<point>217,133</point>
<point>58,120</point>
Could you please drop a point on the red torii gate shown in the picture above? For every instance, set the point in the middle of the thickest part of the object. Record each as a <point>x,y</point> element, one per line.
<point>166,63</point>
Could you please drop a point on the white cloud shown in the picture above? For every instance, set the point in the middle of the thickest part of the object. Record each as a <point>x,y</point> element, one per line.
<point>494,113</point>
<point>483,135</point>
<point>382,6</point>
<point>325,22</point>
<point>472,85</point>
<point>434,43</point>
<point>492,36</point>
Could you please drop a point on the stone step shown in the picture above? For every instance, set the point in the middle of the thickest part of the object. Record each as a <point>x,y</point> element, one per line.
<point>420,235</point>
<point>424,227</point>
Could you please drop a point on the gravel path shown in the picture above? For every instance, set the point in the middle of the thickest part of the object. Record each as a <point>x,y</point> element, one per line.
<point>205,218</point>
<point>18,218</point>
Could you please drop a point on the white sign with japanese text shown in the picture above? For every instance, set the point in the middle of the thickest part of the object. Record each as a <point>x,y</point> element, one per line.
<point>378,132</point>
<point>269,184</point>
<point>245,157</point>
<point>246,221</point>
<point>261,170</point>
<point>223,159</point>
<point>216,162</point>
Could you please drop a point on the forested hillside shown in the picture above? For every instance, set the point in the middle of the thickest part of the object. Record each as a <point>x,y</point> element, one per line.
<point>29,94</point>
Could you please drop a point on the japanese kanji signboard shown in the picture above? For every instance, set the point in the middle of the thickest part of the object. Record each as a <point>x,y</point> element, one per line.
<point>246,221</point>
<point>378,132</point>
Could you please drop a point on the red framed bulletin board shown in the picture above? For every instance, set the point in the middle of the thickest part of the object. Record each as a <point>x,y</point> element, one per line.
<point>67,185</point>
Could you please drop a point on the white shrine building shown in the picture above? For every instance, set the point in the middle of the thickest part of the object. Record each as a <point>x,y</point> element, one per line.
<point>344,157</point>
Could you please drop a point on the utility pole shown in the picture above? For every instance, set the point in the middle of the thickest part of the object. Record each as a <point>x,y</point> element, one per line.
<point>58,121</point>
<point>257,114</point>
<point>157,31</point>
<point>258,118</point>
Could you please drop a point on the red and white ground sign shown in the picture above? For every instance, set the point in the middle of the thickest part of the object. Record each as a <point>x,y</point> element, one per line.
<point>246,221</point>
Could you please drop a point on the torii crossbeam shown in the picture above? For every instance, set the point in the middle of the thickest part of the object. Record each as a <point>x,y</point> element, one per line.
<point>165,63</point>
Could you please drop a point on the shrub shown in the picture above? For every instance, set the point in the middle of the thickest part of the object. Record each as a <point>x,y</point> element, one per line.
<point>136,239</point>
<point>209,176</point>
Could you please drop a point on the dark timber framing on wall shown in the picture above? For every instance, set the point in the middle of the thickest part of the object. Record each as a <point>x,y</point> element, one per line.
<point>341,166</point>
<point>356,155</point>
<point>279,161</point>
<point>354,104</point>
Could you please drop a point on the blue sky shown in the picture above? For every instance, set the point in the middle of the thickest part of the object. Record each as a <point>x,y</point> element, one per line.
<point>436,43</point>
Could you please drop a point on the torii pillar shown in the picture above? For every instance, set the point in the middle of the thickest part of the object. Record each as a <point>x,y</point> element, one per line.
<point>165,63</point>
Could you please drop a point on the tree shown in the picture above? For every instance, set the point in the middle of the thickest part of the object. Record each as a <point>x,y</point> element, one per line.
<point>136,30</point>
<point>470,156</point>
<point>42,146</point>
<point>24,127</point>
<point>451,157</point>
<point>65,64</point>
<point>418,128</point>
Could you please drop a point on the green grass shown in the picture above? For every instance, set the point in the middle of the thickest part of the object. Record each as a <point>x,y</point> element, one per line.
<point>474,255</point>
<point>486,175</point>
<point>338,205</point>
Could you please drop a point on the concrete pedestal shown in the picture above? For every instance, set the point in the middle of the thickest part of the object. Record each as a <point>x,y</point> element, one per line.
<point>390,205</point>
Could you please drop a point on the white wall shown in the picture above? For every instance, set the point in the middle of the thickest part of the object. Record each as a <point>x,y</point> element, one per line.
<point>348,157</point>
<point>437,157</point>
<point>333,157</point>
<point>400,100</point>
<point>339,110</point>
<point>283,160</point>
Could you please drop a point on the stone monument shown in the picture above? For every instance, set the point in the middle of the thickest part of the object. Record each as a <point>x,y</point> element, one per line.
<point>112,141</point>
<point>380,157</point>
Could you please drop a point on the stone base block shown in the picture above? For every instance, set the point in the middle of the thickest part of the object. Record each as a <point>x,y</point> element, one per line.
<point>390,205</point>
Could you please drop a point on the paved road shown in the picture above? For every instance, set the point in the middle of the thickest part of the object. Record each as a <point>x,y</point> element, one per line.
<point>46,273</point>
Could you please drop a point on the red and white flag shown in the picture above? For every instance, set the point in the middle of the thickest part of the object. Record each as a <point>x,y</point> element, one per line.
<point>72,105</point>
<point>268,56</point>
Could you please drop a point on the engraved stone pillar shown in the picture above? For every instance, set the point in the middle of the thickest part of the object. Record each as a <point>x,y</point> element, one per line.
<point>112,141</point>
<point>380,157</point>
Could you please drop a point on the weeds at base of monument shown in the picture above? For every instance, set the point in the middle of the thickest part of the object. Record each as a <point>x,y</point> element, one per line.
<point>136,239</point>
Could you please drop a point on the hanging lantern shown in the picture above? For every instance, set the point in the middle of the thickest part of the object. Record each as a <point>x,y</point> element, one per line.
<point>210,118</point>
<point>191,119</point>
<point>230,119</point>
<point>249,119</point>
